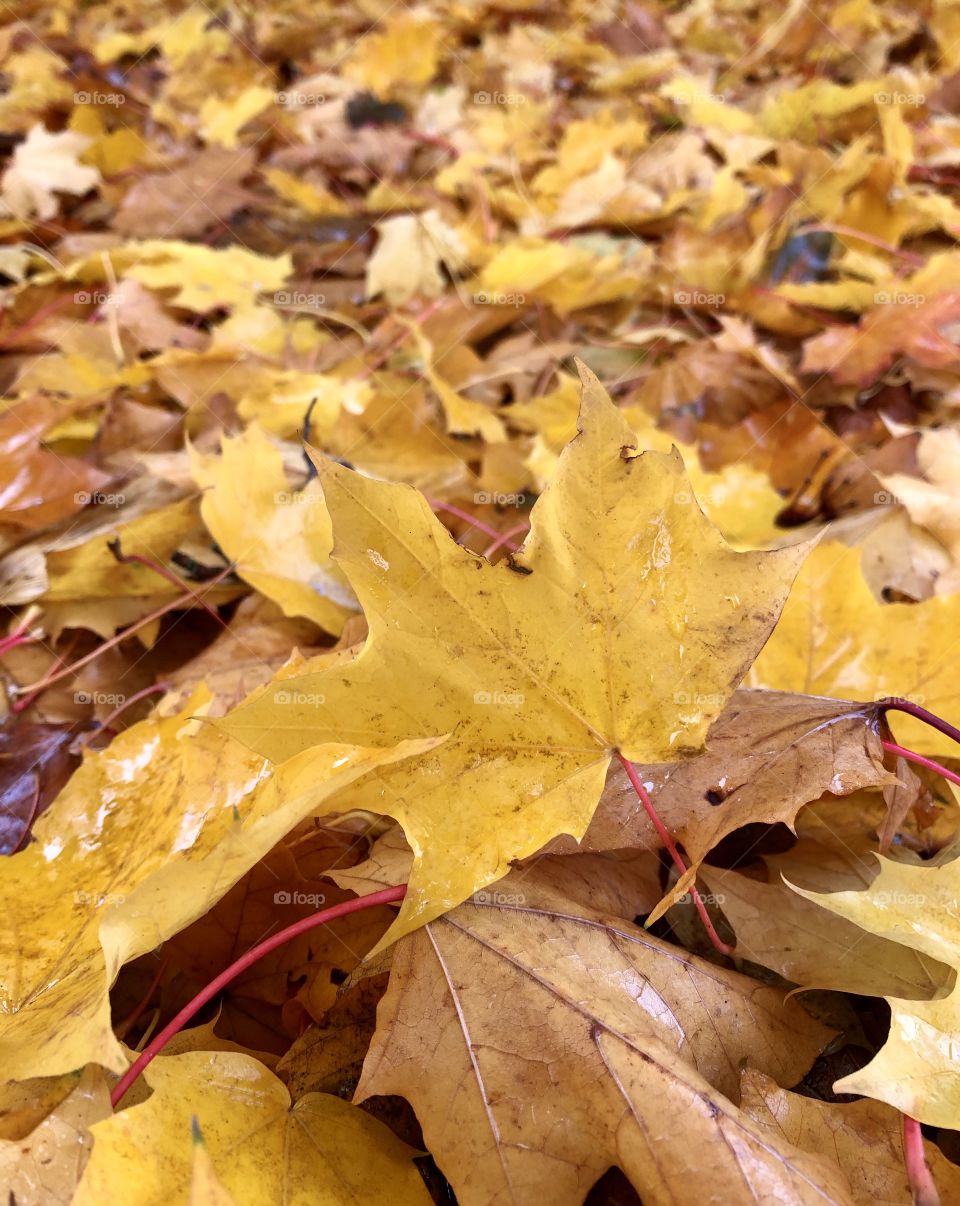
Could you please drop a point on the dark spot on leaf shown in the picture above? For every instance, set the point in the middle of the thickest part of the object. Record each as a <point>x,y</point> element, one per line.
<point>517,569</point>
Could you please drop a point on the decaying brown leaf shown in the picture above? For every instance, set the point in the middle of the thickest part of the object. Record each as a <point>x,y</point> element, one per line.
<point>531,1074</point>
<point>779,930</point>
<point>767,755</point>
<point>864,1137</point>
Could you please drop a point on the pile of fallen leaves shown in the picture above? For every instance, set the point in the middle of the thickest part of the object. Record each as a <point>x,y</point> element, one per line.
<point>500,459</point>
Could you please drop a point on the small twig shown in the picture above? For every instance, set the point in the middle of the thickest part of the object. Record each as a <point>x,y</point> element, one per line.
<point>397,340</point>
<point>431,140</point>
<point>31,816</point>
<point>169,575</point>
<point>8,644</point>
<point>486,216</point>
<point>896,704</point>
<point>386,896</point>
<point>506,539</point>
<point>723,947</point>
<point>113,318</point>
<point>305,440</point>
<point>936,175</point>
<point>179,601</point>
<point>127,1025</point>
<point>22,634</point>
<point>44,312</point>
<point>915,1160</point>
<point>892,748</point>
<point>437,504</point>
<point>849,232</point>
<point>324,315</point>
<point>21,705</point>
<point>86,738</point>
<point>815,312</point>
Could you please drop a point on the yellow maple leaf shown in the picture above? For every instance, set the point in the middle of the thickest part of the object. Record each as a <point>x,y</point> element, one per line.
<point>584,146</point>
<point>278,399</point>
<point>739,498</point>
<point>262,1148</point>
<point>564,276</point>
<point>915,1070</point>
<point>88,569</point>
<point>222,120</point>
<point>795,112</point>
<point>110,151</point>
<point>699,105</point>
<point>624,623</point>
<point>205,277</point>
<point>180,38</point>
<point>206,1188</point>
<point>835,638</point>
<point>408,257</point>
<point>309,197</point>
<point>463,415</point>
<point>279,538</point>
<point>35,81</point>
<point>116,869</point>
<point>404,51</point>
